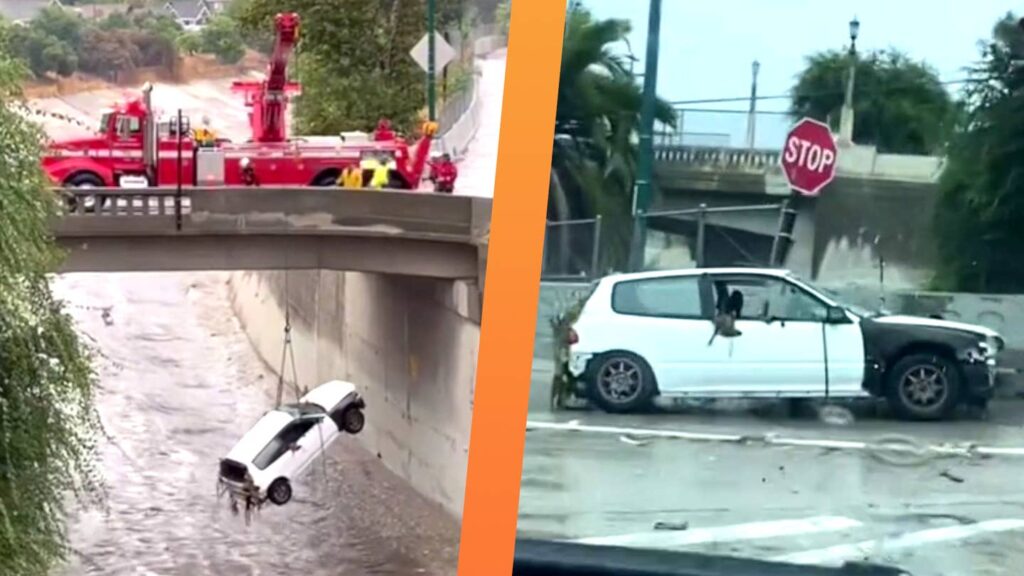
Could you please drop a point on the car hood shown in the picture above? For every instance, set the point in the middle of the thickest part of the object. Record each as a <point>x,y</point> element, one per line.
<point>258,436</point>
<point>936,323</point>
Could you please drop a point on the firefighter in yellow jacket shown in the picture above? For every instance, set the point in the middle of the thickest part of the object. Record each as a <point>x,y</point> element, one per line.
<point>204,136</point>
<point>351,177</point>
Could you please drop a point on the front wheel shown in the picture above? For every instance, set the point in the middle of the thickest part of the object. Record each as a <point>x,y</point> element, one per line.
<point>280,492</point>
<point>923,387</point>
<point>621,382</point>
<point>85,181</point>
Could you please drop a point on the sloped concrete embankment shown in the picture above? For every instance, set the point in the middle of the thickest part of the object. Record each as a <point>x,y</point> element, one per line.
<point>409,344</point>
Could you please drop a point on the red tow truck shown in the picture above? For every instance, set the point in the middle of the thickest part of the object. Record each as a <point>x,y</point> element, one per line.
<point>132,148</point>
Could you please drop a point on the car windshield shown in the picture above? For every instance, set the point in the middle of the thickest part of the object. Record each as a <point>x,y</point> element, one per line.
<point>706,401</point>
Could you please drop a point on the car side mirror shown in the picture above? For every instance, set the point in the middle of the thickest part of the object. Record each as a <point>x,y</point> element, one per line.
<point>836,315</point>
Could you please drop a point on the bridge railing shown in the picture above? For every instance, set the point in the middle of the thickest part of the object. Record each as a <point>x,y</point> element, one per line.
<point>123,201</point>
<point>718,157</point>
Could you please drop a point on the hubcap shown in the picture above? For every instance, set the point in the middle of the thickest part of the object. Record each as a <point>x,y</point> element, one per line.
<point>620,381</point>
<point>280,491</point>
<point>924,386</point>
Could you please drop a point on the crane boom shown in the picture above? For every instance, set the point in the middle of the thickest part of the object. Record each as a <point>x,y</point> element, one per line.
<point>267,99</point>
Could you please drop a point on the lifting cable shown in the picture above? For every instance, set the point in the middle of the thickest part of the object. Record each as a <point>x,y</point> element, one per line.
<point>287,351</point>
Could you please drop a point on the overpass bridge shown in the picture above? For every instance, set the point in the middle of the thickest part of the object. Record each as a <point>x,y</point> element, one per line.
<point>878,205</point>
<point>381,231</point>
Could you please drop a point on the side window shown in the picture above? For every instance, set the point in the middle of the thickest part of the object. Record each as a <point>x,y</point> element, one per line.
<point>278,446</point>
<point>671,297</point>
<point>764,298</point>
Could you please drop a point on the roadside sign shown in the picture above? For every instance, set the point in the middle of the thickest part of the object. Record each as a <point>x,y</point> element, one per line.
<point>443,52</point>
<point>809,157</point>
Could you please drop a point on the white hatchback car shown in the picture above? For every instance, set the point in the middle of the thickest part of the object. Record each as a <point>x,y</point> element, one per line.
<point>652,334</point>
<point>287,439</point>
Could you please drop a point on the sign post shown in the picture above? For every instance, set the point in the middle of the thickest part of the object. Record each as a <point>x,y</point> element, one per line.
<point>808,160</point>
<point>432,53</point>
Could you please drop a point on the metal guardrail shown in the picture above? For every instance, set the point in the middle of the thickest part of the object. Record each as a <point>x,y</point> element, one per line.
<point>721,158</point>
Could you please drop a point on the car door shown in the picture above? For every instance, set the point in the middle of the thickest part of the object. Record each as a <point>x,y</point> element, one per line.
<point>665,320</point>
<point>780,346</point>
<point>314,441</point>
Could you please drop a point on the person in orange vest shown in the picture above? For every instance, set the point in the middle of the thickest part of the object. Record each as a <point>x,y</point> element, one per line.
<point>384,131</point>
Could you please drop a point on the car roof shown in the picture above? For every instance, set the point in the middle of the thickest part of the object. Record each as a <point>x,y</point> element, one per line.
<point>777,272</point>
<point>328,394</point>
<point>257,437</point>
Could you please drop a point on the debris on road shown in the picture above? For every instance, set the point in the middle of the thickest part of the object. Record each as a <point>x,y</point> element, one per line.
<point>633,441</point>
<point>951,477</point>
<point>671,526</point>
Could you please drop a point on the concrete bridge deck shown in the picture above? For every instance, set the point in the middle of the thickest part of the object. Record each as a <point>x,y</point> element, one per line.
<point>381,231</point>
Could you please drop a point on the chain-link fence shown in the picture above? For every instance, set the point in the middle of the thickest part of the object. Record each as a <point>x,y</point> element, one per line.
<point>725,129</point>
<point>572,249</point>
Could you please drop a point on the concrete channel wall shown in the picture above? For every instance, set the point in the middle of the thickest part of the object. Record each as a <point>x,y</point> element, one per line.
<point>408,344</point>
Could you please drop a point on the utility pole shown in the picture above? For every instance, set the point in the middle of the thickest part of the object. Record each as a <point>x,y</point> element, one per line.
<point>431,57</point>
<point>752,114</point>
<point>645,164</point>
<point>846,115</point>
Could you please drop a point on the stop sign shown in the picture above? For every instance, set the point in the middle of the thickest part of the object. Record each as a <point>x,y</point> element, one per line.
<point>809,157</point>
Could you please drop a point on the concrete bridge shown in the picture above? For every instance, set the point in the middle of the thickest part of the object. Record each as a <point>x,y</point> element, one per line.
<point>390,232</point>
<point>878,205</point>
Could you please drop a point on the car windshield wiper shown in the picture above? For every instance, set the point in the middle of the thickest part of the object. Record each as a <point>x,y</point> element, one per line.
<point>552,558</point>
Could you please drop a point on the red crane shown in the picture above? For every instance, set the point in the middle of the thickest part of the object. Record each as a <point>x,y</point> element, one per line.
<point>267,99</point>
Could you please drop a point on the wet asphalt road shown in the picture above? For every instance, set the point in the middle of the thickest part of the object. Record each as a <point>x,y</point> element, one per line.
<point>178,385</point>
<point>938,516</point>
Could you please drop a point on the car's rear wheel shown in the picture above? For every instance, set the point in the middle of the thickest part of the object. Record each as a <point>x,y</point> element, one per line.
<point>352,420</point>
<point>923,387</point>
<point>280,491</point>
<point>621,382</point>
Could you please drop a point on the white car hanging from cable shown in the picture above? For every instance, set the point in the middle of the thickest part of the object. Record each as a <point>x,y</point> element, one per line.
<point>286,441</point>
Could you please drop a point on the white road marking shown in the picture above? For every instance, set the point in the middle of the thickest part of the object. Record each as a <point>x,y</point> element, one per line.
<point>868,548</point>
<point>948,449</point>
<point>734,532</point>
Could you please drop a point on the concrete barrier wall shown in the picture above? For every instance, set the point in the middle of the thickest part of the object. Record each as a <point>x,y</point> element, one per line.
<point>456,139</point>
<point>409,344</point>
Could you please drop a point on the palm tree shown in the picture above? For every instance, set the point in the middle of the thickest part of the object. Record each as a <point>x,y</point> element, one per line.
<point>594,157</point>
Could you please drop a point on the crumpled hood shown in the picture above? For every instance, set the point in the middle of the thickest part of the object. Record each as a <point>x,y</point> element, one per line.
<point>936,323</point>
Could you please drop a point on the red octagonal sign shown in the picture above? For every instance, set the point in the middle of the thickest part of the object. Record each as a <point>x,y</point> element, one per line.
<point>809,157</point>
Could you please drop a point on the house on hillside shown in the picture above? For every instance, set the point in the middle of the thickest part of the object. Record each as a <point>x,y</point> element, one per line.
<point>192,14</point>
<point>21,11</point>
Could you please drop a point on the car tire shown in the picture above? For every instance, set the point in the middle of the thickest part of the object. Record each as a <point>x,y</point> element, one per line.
<point>923,387</point>
<point>326,180</point>
<point>621,382</point>
<point>280,491</point>
<point>352,420</point>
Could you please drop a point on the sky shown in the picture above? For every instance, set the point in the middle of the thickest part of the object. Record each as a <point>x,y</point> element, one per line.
<point>707,46</point>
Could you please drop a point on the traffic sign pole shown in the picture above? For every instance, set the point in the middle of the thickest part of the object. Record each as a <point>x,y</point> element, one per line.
<point>645,160</point>
<point>431,56</point>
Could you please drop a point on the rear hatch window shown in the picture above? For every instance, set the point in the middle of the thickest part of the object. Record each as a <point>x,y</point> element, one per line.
<point>232,471</point>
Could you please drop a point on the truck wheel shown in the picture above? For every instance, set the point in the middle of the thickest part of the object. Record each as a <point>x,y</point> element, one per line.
<point>86,180</point>
<point>923,387</point>
<point>621,382</point>
<point>280,491</point>
<point>326,179</point>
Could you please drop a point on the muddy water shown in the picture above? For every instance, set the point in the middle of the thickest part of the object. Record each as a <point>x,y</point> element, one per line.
<point>178,385</point>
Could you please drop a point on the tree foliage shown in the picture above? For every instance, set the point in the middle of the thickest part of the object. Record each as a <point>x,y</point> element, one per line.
<point>900,105</point>
<point>597,122</point>
<point>222,38</point>
<point>353,59</point>
<point>978,219</point>
<point>47,420</point>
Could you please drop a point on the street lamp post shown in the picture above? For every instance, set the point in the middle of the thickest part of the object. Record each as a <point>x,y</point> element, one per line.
<point>431,56</point>
<point>645,160</point>
<point>846,116</point>
<point>752,114</point>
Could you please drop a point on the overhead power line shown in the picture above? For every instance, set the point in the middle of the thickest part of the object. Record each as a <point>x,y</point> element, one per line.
<point>790,96</point>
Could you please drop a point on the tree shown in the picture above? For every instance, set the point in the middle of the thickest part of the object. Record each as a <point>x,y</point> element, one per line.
<point>900,105</point>
<point>47,419</point>
<point>981,204</point>
<point>222,38</point>
<point>108,51</point>
<point>353,59</point>
<point>597,122</point>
